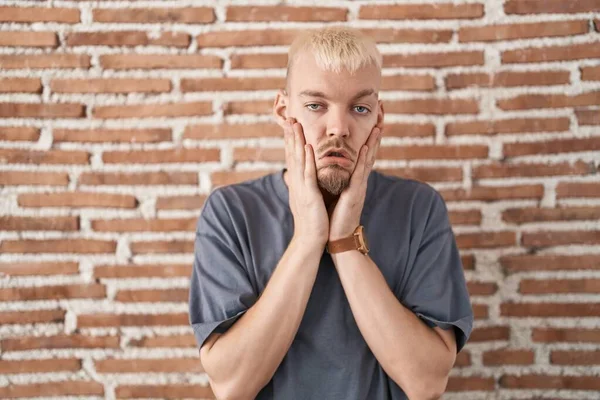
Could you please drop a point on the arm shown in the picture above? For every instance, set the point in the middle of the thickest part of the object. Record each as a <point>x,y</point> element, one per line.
<point>416,357</point>
<point>244,359</point>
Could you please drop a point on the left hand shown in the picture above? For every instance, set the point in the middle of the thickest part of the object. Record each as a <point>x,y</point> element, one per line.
<point>344,215</point>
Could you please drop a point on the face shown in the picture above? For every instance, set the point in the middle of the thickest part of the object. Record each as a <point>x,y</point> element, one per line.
<point>337,110</point>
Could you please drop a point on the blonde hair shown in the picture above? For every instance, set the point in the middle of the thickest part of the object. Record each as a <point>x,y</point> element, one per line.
<point>335,48</point>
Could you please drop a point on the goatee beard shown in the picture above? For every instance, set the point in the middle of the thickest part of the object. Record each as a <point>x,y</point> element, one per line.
<point>333,181</point>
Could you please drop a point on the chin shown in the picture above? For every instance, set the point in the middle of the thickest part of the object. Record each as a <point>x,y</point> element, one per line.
<point>333,178</point>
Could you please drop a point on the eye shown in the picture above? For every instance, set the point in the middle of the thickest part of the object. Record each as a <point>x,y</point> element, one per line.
<point>366,110</point>
<point>313,104</point>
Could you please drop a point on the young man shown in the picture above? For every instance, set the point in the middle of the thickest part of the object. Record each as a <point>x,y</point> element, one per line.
<point>327,280</point>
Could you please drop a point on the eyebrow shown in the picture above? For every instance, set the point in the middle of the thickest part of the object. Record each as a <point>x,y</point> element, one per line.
<point>315,93</point>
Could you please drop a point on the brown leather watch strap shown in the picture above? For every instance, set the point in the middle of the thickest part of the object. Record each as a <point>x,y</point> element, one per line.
<point>345,244</point>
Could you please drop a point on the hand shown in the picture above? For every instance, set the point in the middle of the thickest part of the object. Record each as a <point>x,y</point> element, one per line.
<point>345,213</point>
<point>311,222</point>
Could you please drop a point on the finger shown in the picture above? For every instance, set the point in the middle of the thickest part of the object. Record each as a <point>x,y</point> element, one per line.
<point>357,177</point>
<point>373,142</point>
<point>299,148</point>
<point>310,172</point>
<point>292,161</point>
<point>287,142</point>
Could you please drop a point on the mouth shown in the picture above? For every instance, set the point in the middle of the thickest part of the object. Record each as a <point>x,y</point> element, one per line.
<point>337,153</point>
<point>337,156</point>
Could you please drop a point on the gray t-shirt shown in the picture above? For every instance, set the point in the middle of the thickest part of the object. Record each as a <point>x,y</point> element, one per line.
<point>241,235</point>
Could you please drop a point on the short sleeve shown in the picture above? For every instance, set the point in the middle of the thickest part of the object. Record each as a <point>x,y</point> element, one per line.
<point>436,289</point>
<point>220,290</point>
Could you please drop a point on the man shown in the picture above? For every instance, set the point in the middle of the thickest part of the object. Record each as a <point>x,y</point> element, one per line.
<point>327,280</point>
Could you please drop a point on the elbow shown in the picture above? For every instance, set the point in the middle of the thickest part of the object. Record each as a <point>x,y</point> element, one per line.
<point>432,391</point>
<point>229,391</point>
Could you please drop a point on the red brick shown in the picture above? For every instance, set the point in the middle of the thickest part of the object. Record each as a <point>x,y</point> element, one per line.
<point>588,117</point>
<point>490,333</point>
<point>180,202</point>
<point>491,193</point>
<point>532,101</point>
<point>409,130</point>
<point>468,261</point>
<point>463,359</point>
<point>534,214</point>
<point>38,366</point>
<point>421,11</point>
<point>77,200</point>
<point>530,381</point>
<point>154,15</point>
<point>490,33</point>
<point>434,60</point>
<point>433,106</point>
<point>230,83</point>
<point>395,35</point>
<point>127,38</point>
<point>285,13</point>
<point>572,357</point>
<point>41,110</point>
<point>162,247</point>
<point>32,317</point>
<point>28,39</point>
<point>154,110</point>
<point>144,225</point>
<point>170,391</point>
<point>76,246</point>
<point>569,335</point>
<point>33,178</point>
<point>43,61</point>
<point>92,291</point>
<point>507,126</point>
<point>248,107</point>
<point>481,288</point>
<point>53,389</point>
<point>427,174</point>
<point>39,268</point>
<point>465,217</point>
<point>264,37</point>
<point>550,262</point>
<point>35,157</point>
<point>164,365</point>
<point>550,309</point>
<point>153,295</point>
<point>258,61</point>
<point>437,152</point>
<point>184,341</point>
<point>96,320</point>
<point>21,133</point>
<point>546,286</point>
<point>508,357</point>
<point>480,311</point>
<point>160,61</point>
<point>552,146</point>
<point>474,383</point>
<point>151,135</point>
<point>39,14</point>
<point>137,271</point>
<point>222,178</point>
<point>231,131</point>
<point>507,79</point>
<point>61,341</point>
<point>577,189</point>
<point>557,238</point>
<point>114,85</point>
<point>590,73</point>
<point>408,82</point>
<point>486,240</point>
<point>140,178</point>
<point>177,155</point>
<point>550,6</point>
<point>20,85</point>
<point>56,223</point>
<point>502,170</point>
<point>552,53</point>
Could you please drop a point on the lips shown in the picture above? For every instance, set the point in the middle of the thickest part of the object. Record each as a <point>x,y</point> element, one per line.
<point>336,152</point>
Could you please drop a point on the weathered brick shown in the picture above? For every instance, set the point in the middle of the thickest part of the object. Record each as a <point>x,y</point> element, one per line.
<point>421,11</point>
<point>144,225</point>
<point>590,73</point>
<point>503,170</point>
<point>39,14</point>
<point>177,155</point>
<point>530,381</point>
<point>39,366</point>
<point>507,126</point>
<point>180,202</point>
<point>551,53</point>
<point>77,200</point>
<point>160,61</point>
<point>490,33</point>
<point>61,341</point>
<point>231,131</point>
<point>38,268</point>
<point>465,217</point>
<point>285,13</point>
<point>434,60</point>
<point>107,320</point>
<point>21,133</point>
<point>588,117</point>
<point>577,189</point>
<point>565,310</point>
<point>569,335</point>
<point>11,178</point>
<point>230,83</point>
<point>75,246</point>
<point>113,85</point>
<point>170,391</point>
<point>184,341</point>
<point>53,389</point>
<point>162,247</point>
<point>533,214</point>
<point>552,146</point>
<point>436,152</point>
<point>463,359</point>
<point>550,6</point>
<point>482,288</point>
<point>28,39</point>
<point>20,85</point>
<point>433,106</point>
<point>407,82</point>
<point>547,286</point>
<point>145,270</point>
<point>56,223</point>
<point>486,240</point>
<point>32,317</point>
<point>222,178</point>
<point>395,35</point>
<point>492,193</point>
<point>127,38</point>
<point>558,238</point>
<point>154,110</point>
<point>43,61</point>
<point>470,383</point>
<point>264,37</point>
<point>468,261</point>
<point>532,101</point>
<point>550,262</point>
<point>151,135</point>
<point>140,178</point>
<point>248,107</point>
<point>508,357</point>
<point>153,295</point>
<point>258,61</point>
<point>154,15</point>
<point>490,333</point>
<point>38,157</point>
<point>92,291</point>
<point>507,79</point>
<point>41,110</point>
<point>573,357</point>
<point>480,311</point>
<point>168,365</point>
<point>427,174</point>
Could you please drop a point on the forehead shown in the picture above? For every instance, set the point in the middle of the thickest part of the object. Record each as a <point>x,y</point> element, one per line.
<point>306,75</point>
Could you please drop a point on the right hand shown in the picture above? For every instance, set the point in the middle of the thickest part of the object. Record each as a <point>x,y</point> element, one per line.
<point>311,221</point>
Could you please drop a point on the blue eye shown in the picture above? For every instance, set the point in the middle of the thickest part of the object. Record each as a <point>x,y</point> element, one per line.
<point>365,108</point>
<point>312,104</point>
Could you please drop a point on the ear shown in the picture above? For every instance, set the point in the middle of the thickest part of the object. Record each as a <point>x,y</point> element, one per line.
<point>280,108</point>
<point>380,115</point>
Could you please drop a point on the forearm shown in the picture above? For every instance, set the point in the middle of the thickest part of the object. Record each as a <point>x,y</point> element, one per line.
<point>410,352</point>
<point>244,359</point>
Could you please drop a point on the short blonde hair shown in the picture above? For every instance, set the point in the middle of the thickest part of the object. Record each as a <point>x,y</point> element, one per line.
<point>335,48</point>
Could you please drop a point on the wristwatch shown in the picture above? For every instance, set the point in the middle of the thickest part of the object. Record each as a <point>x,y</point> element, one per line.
<point>358,241</point>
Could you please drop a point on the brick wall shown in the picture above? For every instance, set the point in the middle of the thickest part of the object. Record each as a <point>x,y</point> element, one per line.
<point>118,118</point>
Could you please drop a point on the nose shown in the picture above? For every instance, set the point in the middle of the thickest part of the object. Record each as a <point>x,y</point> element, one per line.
<point>337,123</point>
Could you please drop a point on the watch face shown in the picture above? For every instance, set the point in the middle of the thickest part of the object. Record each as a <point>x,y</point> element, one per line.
<point>362,240</point>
